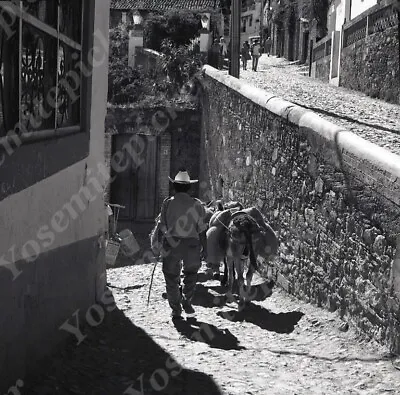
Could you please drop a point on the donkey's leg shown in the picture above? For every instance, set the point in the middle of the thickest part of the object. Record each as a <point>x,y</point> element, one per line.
<point>230,265</point>
<point>239,267</point>
<point>249,278</point>
<point>224,280</point>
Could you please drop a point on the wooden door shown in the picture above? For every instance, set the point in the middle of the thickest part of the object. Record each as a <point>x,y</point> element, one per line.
<point>136,186</point>
<point>146,180</point>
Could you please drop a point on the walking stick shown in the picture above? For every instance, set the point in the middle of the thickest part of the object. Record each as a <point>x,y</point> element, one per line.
<point>151,282</point>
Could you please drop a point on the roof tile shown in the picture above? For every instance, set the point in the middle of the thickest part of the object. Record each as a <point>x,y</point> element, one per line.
<point>161,5</point>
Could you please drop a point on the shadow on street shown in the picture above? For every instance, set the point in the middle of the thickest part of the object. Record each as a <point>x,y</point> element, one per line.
<point>115,358</point>
<point>257,315</point>
<point>207,333</point>
<point>204,298</point>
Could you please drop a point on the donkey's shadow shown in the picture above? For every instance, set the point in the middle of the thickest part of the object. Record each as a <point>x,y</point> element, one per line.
<point>203,296</point>
<point>265,319</point>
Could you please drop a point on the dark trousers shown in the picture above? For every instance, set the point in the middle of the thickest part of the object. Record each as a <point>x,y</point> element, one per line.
<point>186,251</point>
<point>255,62</point>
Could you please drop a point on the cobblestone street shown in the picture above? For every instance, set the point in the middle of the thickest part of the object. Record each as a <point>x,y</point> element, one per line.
<point>373,119</point>
<point>277,345</point>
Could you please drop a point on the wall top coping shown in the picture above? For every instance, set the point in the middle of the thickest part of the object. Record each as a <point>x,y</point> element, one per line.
<point>308,120</point>
<point>323,40</point>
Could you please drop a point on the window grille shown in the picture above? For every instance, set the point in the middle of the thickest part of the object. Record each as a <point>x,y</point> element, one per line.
<point>40,85</point>
<point>355,33</point>
<point>382,19</point>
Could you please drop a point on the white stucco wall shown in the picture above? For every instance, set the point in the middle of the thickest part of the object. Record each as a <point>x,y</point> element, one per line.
<point>340,15</point>
<point>254,29</point>
<point>359,6</point>
<point>42,208</point>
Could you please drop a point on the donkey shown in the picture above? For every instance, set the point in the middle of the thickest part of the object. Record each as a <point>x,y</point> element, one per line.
<point>233,237</point>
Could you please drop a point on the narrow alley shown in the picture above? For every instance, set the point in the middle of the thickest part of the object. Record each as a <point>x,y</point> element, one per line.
<point>124,139</point>
<point>277,345</point>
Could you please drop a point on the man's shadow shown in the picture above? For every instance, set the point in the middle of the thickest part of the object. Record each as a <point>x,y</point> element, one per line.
<point>207,333</point>
<point>257,315</point>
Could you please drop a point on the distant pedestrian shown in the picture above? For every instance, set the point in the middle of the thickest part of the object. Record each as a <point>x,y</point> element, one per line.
<point>214,54</point>
<point>196,47</point>
<point>245,54</point>
<point>182,219</point>
<point>268,45</point>
<point>223,51</point>
<point>255,54</point>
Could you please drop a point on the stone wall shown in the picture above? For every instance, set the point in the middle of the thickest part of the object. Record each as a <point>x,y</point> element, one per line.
<point>322,68</point>
<point>371,65</point>
<point>333,198</point>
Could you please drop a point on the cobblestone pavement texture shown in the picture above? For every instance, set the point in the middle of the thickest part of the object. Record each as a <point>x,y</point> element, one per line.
<point>277,345</point>
<point>373,119</point>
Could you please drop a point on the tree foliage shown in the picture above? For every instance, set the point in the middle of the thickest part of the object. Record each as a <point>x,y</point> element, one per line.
<point>179,64</point>
<point>175,68</point>
<point>123,81</point>
<point>180,27</point>
<point>284,12</point>
<point>319,11</point>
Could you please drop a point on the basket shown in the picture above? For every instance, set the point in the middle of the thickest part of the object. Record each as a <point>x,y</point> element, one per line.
<point>112,250</point>
<point>129,244</point>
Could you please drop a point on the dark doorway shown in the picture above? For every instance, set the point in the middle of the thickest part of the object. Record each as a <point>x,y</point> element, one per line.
<point>306,37</point>
<point>136,185</point>
<point>311,58</point>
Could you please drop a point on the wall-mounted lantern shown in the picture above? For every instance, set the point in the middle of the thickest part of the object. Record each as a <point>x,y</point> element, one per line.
<point>137,18</point>
<point>305,23</point>
<point>205,21</point>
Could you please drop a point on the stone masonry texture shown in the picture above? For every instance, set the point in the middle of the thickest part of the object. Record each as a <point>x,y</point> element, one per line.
<point>322,68</point>
<point>371,66</point>
<point>336,214</point>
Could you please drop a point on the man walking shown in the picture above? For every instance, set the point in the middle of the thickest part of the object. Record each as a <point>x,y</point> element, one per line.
<point>256,53</point>
<point>224,52</point>
<point>182,218</point>
<point>268,45</point>
<point>214,54</point>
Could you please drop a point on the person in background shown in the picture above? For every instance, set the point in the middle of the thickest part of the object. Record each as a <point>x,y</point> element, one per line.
<point>183,219</point>
<point>223,51</point>
<point>245,54</point>
<point>214,54</point>
<point>196,47</point>
<point>255,54</point>
<point>268,45</point>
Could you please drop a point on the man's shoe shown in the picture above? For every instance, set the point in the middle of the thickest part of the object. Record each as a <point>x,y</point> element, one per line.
<point>187,306</point>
